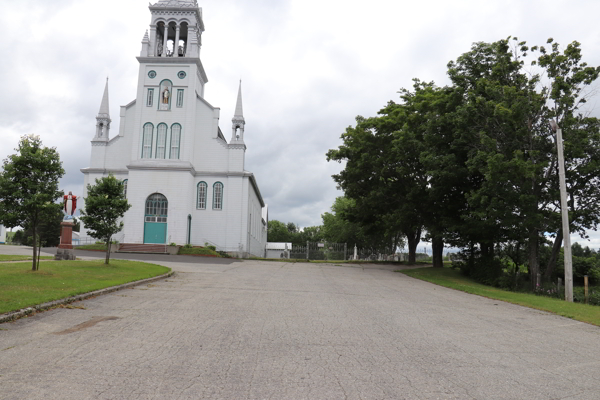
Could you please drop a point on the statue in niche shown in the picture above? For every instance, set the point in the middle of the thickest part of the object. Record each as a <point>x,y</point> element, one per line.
<point>165,95</point>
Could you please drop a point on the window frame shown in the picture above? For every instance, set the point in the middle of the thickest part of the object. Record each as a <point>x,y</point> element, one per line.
<point>144,141</point>
<point>199,205</point>
<point>175,134</point>
<point>179,102</point>
<point>150,97</point>
<point>218,196</point>
<point>161,143</point>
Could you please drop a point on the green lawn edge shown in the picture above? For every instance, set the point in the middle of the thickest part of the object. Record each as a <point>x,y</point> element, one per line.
<point>21,288</point>
<point>454,280</point>
<point>8,257</point>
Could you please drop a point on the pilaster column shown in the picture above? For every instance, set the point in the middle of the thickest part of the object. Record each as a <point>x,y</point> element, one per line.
<point>176,44</point>
<point>166,37</point>
<point>153,48</point>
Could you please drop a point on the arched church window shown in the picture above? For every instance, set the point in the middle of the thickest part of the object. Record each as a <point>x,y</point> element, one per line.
<point>175,141</point>
<point>201,202</point>
<point>147,140</point>
<point>156,208</point>
<point>125,188</point>
<point>218,196</point>
<point>161,140</point>
<point>165,95</point>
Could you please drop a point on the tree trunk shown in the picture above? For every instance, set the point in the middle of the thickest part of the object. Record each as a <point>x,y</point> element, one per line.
<point>107,251</point>
<point>437,249</point>
<point>554,256</point>
<point>413,238</point>
<point>533,257</point>
<point>34,233</point>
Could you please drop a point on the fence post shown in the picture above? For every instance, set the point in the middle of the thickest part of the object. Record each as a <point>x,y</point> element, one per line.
<point>307,249</point>
<point>585,289</point>
<point>538,280</point>
<point>345,250</point>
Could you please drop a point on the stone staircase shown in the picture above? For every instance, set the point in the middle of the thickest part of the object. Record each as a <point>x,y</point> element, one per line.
<point>142,248</point>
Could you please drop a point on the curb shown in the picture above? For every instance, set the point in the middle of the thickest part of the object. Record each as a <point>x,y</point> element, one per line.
<point>11,316</point>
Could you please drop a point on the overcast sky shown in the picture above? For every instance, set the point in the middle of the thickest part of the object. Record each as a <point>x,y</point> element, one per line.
<point>308,68</point>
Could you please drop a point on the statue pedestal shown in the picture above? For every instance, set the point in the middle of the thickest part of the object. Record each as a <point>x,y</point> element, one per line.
<point>65,248</point>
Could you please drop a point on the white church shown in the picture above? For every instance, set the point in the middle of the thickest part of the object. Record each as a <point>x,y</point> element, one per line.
<point>185,181</point>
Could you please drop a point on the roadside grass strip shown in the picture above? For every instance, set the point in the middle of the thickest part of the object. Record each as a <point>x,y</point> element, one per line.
<point>20,287</point>
<point>453,279</point>
<point>8,257</point>
<point>96,246</point>
<point>198,251</point>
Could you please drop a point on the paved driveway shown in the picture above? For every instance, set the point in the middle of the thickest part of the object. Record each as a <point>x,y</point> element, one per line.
<point>267,330</point>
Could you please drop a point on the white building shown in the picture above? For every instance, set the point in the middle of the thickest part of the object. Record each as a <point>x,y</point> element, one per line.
<point>186,183</point>
<point>2,234</point>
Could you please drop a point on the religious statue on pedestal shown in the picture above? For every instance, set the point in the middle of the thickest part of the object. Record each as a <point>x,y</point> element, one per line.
<point>69,206</point>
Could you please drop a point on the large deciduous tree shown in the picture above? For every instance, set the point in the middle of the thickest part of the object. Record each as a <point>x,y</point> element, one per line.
<point>29,187</point>
<point>105,205</point>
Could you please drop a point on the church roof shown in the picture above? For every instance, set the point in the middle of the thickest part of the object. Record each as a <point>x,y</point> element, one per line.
<point>104,108</point>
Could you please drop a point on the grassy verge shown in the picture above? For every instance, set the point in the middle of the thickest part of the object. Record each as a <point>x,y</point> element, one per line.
<point>8,257</point>
<point>304,260</point>
<point>20,287</point>
<point>453,279</point>
<point>96,246</point>
<point>198,251</point>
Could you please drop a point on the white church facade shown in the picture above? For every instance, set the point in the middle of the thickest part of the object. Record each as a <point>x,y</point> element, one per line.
<point>185,181</point>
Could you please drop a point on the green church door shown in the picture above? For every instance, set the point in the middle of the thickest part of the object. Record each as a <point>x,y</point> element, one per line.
<point>155,219</point>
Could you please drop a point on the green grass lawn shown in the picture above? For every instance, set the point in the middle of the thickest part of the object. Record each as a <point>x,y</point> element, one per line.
<point>453,279</point>
<point>8,257</point>
<point>21,287</point>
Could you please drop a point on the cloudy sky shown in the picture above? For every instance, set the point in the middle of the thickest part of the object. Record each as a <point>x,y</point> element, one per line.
<point>308,68</point>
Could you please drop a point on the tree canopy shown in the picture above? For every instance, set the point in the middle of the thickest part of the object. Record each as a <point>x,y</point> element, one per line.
<point>105,205</point>
<point>29,187</point>
<point>473,164</point>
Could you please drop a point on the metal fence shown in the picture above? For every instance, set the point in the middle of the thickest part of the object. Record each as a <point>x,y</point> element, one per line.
<point>320,251</point>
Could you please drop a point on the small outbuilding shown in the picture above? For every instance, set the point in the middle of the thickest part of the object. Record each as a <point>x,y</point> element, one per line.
<point>278,250</point>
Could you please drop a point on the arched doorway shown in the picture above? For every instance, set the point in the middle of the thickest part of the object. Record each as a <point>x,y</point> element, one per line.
<point>155,219</point>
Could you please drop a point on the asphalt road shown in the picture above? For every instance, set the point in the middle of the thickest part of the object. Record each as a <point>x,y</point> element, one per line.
<point>267,330</point>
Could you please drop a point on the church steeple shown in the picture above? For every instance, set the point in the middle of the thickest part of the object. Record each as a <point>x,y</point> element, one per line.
<point>238,121</point>
<point>103,119</point>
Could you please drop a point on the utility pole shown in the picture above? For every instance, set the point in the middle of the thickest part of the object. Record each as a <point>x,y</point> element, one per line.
<point>565,213</point>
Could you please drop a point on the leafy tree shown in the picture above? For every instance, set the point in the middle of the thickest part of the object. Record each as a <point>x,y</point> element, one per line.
<point>570,79</point>
<point>310,234</point>
<point>277,232</point>
<point>105,205</point>
<point>370,179</point>
<point>29,187</point>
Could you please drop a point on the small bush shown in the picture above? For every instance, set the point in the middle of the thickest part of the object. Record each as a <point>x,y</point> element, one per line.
<point>213,248</point>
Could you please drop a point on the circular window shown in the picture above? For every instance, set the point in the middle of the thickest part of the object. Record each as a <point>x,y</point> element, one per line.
<point>152,74</point>
<point>181,74</point>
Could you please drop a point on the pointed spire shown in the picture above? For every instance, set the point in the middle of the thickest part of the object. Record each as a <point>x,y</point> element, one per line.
<point>239,112</point>
<point>104,109</point>
<point>146,37</point>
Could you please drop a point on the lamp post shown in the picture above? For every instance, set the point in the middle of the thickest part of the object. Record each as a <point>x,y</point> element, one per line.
<point>565,213</point>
